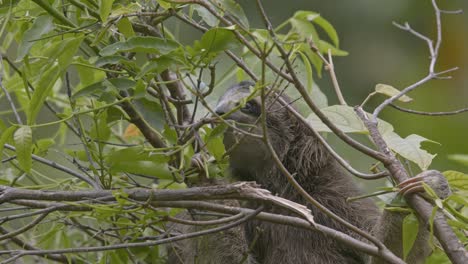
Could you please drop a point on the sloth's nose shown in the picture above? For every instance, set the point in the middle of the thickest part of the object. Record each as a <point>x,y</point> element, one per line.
<point>221,109</point>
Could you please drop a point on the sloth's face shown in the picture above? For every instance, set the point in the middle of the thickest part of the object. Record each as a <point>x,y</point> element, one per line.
<point>237,97</point>
<point>246,152</point>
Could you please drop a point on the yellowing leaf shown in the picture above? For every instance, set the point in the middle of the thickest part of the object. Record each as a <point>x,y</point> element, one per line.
<point>131,131</point>
<point>391,91</point>
<point>410,148</point>
<point>457,179</point>
<point>347,120</point>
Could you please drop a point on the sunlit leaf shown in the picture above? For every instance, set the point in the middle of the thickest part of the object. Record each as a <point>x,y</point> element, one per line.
<point>23,144</point>
<point>324,47</point>
<point>347,120</point>
<point>410,148</point>
<point>457,179</point>
<point>391,91</point>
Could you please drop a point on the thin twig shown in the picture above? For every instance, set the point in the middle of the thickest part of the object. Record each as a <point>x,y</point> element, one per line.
<point>57,166</point>
<point>24,245</point>
<point>434,54</point>
<point>429,113</point>
<point>20,253</point>
<point>7,95</point>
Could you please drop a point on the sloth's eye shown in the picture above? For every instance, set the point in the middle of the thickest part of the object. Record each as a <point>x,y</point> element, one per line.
<point>251,108</point>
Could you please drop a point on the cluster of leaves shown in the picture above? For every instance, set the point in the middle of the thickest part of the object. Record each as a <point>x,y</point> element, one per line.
<point>73,65</point>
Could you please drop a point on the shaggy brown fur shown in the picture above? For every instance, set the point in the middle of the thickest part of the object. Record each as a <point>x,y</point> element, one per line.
<point>319,174</point>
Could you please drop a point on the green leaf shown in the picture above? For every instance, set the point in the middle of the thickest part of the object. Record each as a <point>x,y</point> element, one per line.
<point>314,59</point>
<point>43,88</point>
<point>217,39</point>
<point>95,89</point>
<point>410,148</point>
<point>68,48</point>
<point>23,144</point>
<point>342,116</point>
<point>141,44</point>
<point>135,154</point>
<point>125,27</point>
<point>304,28</point>
<point>457,179</point>
<point>320,21</point>
<point>5,137</point>
<point>214,141</point>
<point>122,83</point>
<point>139,161</point>
<point>142,167</point>
<point>100,130</point>
<point>438,257</point>
<point>157,65</point>
<point>88,74</point>
<point>42,25</point>
<point>235,10</point>
<point>346,119</point>
<point>210,19</point>
<point>390,91</point>
<point>410,232</point>
<point>308,71</point>
<point>115,59</point>
<point>105,7</point>
<point>324,46</point>
<point>218,131</point>
<point>42,146</point>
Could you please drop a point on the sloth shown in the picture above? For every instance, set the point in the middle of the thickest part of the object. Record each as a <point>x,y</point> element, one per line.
<point>316,171</point>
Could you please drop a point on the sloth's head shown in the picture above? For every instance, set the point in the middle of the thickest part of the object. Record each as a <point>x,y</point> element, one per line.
<point>248,154</point>
<point>235,96</point>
